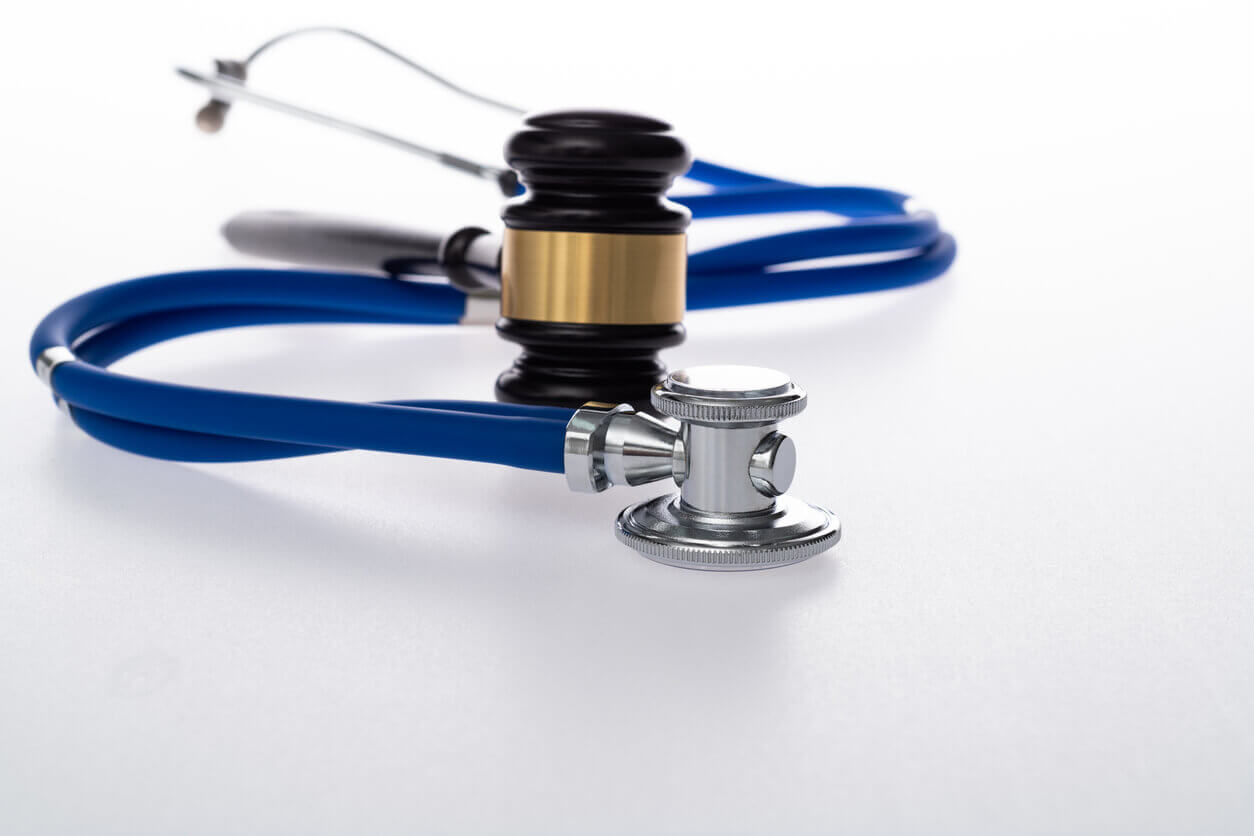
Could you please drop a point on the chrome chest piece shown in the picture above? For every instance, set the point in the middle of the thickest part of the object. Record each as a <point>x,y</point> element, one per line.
<point>730,463</point>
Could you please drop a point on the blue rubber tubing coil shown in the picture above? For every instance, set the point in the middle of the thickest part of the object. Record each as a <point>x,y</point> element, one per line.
<point>186,423</point>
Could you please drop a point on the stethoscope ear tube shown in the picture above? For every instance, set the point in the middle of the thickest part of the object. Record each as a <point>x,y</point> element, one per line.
<point>192,421</point>
<point>196,424</point>
<point>757,286</point>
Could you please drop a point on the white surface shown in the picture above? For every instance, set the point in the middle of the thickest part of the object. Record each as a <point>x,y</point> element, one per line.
<point>1040,618</point>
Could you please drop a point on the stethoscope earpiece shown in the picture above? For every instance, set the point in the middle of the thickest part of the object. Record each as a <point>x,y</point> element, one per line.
<point>212,116</point>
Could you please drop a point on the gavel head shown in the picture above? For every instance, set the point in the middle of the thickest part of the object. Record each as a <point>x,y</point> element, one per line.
<point>594,258</point>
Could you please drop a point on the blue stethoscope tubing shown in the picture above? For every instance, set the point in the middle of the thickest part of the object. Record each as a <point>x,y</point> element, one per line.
<point>186,423</point>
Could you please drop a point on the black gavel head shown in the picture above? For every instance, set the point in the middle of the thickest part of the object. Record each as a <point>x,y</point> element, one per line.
<point>594,259</point>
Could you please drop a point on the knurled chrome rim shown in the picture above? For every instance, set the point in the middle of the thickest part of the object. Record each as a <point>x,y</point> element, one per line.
<point>711,410</point>
<point>789,547</point>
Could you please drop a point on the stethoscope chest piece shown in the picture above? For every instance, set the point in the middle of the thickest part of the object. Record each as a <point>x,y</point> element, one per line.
<point>730,462</point>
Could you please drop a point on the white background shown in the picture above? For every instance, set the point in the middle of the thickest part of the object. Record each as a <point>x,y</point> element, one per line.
<point>1040,617</point>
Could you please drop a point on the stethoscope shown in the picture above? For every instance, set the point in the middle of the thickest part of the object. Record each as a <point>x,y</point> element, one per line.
<point>590,277</point>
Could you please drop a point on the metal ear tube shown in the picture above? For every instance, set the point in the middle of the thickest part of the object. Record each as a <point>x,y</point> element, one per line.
<point>731,465</point>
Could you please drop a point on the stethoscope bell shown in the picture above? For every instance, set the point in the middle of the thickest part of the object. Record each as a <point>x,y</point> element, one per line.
<point>730,463</point>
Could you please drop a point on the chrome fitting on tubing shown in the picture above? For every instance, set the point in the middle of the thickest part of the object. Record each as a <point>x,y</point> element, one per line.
<point>731,464</point>
<point>610,445</point>
<point>49,359</point>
